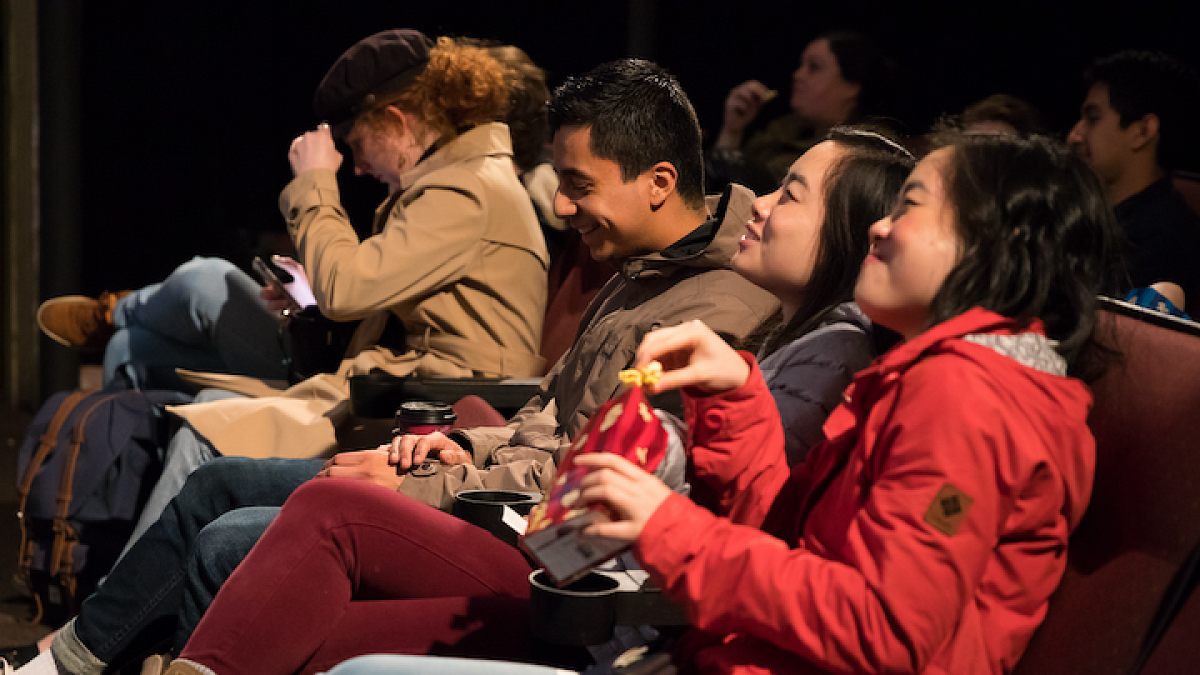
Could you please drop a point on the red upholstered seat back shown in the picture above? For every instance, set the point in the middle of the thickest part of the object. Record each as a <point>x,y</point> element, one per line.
<point>1144,515</point>
<point>1179,651</point>
<point>574,279</point>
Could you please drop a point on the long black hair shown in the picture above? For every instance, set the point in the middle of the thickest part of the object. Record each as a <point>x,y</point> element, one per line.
<point>860,188</point>
<point>1039,238</point>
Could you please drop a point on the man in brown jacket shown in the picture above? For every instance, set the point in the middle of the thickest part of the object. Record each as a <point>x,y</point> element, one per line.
<point>640,207</point>
<point>627,150</point>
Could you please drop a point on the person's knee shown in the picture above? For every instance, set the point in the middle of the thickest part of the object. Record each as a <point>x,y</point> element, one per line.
<point>203,267</point>
<point>201,283</point>
<point>224,543</point>
<point>220,476</point>
<point>209,395</point>
<point>351,495</point>
<point>322,491</point>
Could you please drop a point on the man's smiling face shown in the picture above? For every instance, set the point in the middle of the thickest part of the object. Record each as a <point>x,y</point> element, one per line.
<point>609,213</point>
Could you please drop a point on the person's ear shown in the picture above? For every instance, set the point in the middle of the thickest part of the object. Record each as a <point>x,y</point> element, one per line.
<point>401,121</point>
<point>663,179</point>
<point>1145,131</point>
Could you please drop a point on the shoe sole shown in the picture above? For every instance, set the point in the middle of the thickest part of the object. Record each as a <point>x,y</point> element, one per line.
<point>51,334</point>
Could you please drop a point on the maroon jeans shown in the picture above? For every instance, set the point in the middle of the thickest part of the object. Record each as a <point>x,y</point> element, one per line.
<point>350,568</point>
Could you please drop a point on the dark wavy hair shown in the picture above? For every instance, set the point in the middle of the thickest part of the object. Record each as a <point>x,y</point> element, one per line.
<point>638,116</point>
<point>860,188</point>
<point>1006,109</point>
<point>1039,238</point>
<point>862,62</point>
<point>528,98</point>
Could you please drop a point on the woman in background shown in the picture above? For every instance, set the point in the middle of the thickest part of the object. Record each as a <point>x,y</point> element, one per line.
<point>843,77</point>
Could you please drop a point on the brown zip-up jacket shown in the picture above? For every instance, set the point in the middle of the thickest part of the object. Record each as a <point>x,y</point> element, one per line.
<point>649,292</point>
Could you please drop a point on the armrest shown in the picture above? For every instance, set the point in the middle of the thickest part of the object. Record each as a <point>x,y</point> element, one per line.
<point>378,394</point>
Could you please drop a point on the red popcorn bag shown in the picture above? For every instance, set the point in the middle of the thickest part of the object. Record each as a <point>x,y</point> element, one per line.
<point>625,426</point>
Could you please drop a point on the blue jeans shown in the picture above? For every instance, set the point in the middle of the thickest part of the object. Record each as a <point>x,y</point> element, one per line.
<point>206,315</point>
<point>186,452</point>
<point>220,548</point>
<point>136,607</point>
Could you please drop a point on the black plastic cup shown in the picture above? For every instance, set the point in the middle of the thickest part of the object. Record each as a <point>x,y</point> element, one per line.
<point>423,417</point>
<point>582,613</point>
<point>485,508</point>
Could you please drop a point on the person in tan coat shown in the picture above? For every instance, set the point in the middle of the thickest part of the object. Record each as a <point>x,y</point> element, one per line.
<point>457,256</point>
<point>455,253</point>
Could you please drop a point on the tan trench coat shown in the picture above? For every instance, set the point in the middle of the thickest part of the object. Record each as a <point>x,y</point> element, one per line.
<point>458,255</point>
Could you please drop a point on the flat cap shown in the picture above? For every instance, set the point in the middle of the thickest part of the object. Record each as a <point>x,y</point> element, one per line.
<point>381,64</point>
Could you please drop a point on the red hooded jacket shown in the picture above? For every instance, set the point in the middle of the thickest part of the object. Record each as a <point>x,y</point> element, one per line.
<point>925,535</point>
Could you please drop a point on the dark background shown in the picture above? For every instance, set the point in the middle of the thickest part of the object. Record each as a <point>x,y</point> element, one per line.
<point>187,108</point>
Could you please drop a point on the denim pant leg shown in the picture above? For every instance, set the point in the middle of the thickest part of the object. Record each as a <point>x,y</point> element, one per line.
<point>220,547</point>
<point>137,605</point>
<point>206,315</point>
<point>187,451</point>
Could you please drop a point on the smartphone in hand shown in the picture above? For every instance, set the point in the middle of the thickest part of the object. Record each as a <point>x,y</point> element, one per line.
<point>273,279</point>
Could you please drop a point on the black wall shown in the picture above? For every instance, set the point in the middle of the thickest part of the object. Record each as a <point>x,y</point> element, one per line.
<point>188,107</point>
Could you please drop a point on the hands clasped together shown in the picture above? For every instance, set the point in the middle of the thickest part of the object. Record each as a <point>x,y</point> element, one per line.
<point>388,464</point>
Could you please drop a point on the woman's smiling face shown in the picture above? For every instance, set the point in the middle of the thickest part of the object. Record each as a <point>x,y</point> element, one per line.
<point>912,251</point>
<point>780,246</point>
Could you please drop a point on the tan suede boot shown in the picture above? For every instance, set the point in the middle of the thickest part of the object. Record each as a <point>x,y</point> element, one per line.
<point>78,321</point>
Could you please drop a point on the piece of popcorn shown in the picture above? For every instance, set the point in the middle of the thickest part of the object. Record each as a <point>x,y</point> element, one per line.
<point>642,377</point>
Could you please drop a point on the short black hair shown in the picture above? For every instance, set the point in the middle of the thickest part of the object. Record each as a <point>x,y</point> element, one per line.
<point>1142,82</point>
<point>638,116</point>
<point>1006,109</point>
<point>1039,237</point>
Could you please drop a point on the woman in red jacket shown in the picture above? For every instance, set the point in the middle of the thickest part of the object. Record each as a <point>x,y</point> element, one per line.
<point>928,532</point>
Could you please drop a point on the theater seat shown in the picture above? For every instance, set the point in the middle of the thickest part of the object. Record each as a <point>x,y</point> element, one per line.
<point>1178,651</point>
<point>1144,515</point>
<point>574,279</point>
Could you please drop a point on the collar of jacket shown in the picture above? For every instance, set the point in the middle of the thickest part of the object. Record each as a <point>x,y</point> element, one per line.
<point>943,337</point>
<point>732,209</point>
<point>486,139</point>
<point>491,138</point>
<point>870,383</point>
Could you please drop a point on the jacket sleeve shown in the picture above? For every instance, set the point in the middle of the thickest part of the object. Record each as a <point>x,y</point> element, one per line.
<point>736,480</point>
<point>519,456</point>
<point>422,246</point>
<point>808,380</point>
<point>889,592</point>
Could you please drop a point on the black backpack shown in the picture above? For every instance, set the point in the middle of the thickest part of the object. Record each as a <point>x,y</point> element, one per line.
<point>87,465</point>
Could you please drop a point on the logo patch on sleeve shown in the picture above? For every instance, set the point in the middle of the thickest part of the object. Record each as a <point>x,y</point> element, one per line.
<point>948,509</point>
